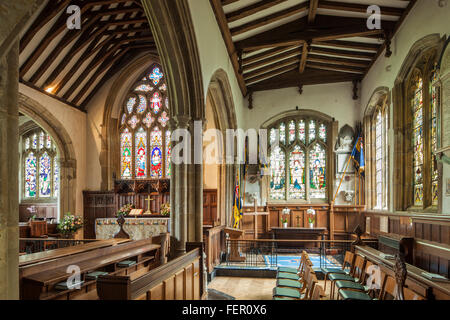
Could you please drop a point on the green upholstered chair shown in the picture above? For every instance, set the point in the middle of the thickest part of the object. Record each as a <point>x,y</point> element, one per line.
<point>356,283</point>
<point>294,270</point>
<point>347,267</point>
<point>296,284</point>
<point>311,281</point>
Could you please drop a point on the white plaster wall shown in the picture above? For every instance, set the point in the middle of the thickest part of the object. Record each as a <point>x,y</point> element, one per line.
<point>335,100</point>
<point>74,122</point>
<point>213,53</point>
<point>424,19</point>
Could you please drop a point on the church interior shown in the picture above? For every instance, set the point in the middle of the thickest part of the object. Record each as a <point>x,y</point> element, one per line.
<point>224,150</point>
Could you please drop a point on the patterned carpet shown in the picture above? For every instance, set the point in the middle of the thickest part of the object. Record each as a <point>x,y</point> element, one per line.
<point>294,261</point>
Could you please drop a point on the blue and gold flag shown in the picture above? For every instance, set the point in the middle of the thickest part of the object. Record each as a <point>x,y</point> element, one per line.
<point>237,203</point>
<point>358,156</point>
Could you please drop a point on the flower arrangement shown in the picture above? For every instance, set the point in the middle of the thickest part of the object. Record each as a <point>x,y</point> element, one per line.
<point>165,209</point>
<point>284,220</point>
<point>125,210</point>
<point>70,224</point>
<point>311,215</point>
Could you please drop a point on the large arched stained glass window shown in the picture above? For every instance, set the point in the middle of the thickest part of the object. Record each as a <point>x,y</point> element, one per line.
<point>40,166</point>
<point>144,133</point>
<point>418,116</point>
<point>300,158</point>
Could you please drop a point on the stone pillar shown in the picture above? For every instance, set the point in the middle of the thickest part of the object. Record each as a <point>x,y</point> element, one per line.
<point>9,174</point>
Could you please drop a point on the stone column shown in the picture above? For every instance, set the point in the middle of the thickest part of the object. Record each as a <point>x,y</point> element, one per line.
<point>9,174</point>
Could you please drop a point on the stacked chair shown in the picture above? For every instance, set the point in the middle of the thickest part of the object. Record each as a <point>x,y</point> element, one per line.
<point>297,284</point>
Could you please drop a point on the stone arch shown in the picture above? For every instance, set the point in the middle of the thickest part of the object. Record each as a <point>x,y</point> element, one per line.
<point>109,160</point>
<point>68,162</point>
<point>220,99</point>
<point>173,30</point>
<point>378,96</point>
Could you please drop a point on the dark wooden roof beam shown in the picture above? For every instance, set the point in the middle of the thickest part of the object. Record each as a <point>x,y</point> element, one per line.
<point>272,59</point>
<point>326,66</point>
<point>349,45</point>
<point>356,7</point>
<point>313,4</point>
<point>339,61</point>
<point>272,75</point>
<point>269,19</point>
<point>272,67</point>
<point>266,54</point>
<point>343,53</point>
<point>251,9</point>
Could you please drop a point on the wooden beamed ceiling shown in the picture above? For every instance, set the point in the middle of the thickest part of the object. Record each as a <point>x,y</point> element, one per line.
<point>71,65</point>
<point>290,43</point>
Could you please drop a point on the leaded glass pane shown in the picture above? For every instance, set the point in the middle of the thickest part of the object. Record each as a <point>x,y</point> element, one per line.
<point>435,101</point>
<point>126,155</point>
<point>141,154</point>
<point>323,132</point>
<point>156,153</point>
<point>297,189</point>
<point>278,174</point>
<point>30,175</point>
<point>317,167</point>
<point>45,177</point>
<point>130,104</point>
<point>34,141</point>
<point>156,75</point>
<point>27,144</point>
<point>49,142</point>
<point>41,140</point>
<point>144,88</point>
<point>163,119</point>
<point>148,120</point>
<point>55,178</point>
<point>156,102</point>
<point>168,154</point>
<point>418,114</point>
<point>312,131</point>
<point>133,122</point>
<point>283,133</point>
<point>291,131</point>
<point>302,131</point>
<point>142,104</point>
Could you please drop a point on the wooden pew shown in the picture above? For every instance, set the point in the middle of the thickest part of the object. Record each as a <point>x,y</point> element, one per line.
<point>38,280</point>
<point>179,279</point>
<point>415,281</point>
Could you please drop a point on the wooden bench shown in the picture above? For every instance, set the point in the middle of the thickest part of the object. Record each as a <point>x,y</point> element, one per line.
<point>179,279</point>
<point>415,281</point>
<point>38,280</point>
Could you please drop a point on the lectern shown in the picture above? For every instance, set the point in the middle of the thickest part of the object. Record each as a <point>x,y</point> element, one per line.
<point>235,235</point>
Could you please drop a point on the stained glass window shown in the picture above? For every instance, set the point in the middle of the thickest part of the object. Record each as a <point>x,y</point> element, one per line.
<point>297,177</point>
<point>40,166</point>
<point>317,167</point>
<point>141,154</point>
<point>418,115</point>
<point>277,168</point>
<point>30,176</point>
<point>380,159</point>
<point>435,102</point>
<point>306,162</point>
<point>125,151</point>
<point>144,133</point>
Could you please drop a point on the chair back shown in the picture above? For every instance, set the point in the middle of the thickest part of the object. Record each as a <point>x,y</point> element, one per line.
<point>318,292</point>
<point>408,294</point>
<point>359,268</point>
<point>389,290</point>
<point>38,229</point>
<point>310,287</point>
<point>348,260</point>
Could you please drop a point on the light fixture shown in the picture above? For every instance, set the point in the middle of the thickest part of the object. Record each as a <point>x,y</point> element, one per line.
<point>50,89</point>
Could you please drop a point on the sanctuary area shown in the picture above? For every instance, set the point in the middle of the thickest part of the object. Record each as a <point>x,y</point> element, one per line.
<point>224,150</point>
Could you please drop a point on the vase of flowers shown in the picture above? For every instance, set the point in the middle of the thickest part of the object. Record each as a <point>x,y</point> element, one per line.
<point>125,210</point>
<point>165,209</point>
<point>284,221</point>
<point>311,217</point>
<point>69,225</point>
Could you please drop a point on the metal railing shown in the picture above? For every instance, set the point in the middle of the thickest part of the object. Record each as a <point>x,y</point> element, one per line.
<point>269,253</point>
<point>34,245</point>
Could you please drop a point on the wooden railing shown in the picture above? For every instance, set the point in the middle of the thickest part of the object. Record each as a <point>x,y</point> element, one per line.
<point>179,279</point>
<point>214,239</point>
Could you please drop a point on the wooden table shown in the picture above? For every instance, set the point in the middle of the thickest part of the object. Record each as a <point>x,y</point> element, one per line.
<point>298,234</point>
<point>415,281</point>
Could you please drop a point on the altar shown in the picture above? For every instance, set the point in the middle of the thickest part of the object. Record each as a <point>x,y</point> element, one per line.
<point>298,234</point>
<point>138,228</point>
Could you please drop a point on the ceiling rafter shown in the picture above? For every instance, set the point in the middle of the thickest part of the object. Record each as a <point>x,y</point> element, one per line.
<point>319,39</point>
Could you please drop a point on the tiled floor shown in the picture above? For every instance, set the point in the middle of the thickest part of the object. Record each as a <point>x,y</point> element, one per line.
<point>249,288</point>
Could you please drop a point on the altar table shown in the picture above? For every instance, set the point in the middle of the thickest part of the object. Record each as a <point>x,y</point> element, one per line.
<point>137,228</point>
<point>298,234</point>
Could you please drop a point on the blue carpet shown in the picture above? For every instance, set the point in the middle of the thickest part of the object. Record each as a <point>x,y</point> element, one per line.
<point>294,261</point>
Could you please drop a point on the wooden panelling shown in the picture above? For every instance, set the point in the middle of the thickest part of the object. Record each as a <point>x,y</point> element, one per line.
<point>43,210</point>
<point>157,293</point>
<point>169,288</point>
<point>210,216</point>
<point>346,218</point>
<point>188,282</point>
<point>214,239</point>
<point>431,235</point>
